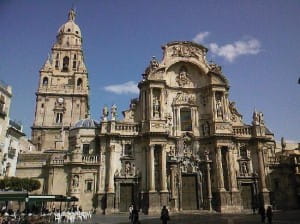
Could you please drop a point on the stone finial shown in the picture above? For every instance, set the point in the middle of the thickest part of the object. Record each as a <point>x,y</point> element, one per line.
<point>113,112</point>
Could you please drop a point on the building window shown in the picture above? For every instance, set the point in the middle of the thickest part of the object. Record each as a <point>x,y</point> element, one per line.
<point>2,103</point>
<point>86,149</point>
<point>56,64</point>
<point>65,64</point>
<point>59,118</point>
<point>243,152</point>
<point>79,83</point>
<point>45,81</point>
<point>89,185</point>
<point>127,150</point>
<point>186,119</point>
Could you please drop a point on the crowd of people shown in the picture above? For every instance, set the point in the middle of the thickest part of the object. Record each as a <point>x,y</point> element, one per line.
<point>40,216</point>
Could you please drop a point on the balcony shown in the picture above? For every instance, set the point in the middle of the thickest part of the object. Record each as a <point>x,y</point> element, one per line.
<point>90,159</point>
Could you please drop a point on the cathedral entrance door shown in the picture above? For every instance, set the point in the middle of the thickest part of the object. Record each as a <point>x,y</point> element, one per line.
<point>189,192</point>
<point>246,195</point>
<point>126,196</point>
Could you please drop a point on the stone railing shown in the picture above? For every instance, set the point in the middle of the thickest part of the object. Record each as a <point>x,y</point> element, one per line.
<point>127,127</point>
<point>244,131</point>
<point>273,160</point>
<point>62,88</point>
<point>57,162</point>
<point>90,159</point>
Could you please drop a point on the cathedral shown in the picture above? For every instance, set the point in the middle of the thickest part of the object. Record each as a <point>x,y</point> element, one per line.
<point>182,143</point>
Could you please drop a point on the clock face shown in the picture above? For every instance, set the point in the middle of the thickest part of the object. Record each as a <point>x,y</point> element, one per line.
<point>60,100</point>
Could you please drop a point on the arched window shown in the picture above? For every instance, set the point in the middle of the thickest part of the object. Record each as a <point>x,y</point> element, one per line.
<point>65,64</point>
<point>79,83</point>
<point>75,57</point>
<point>186,119</point>
<point>45,81</point>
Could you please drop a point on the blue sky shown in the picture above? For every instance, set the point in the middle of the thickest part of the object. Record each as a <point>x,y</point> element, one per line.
<point>256,42</point>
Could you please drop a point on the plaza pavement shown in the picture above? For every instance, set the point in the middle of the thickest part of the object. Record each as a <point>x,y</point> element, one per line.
<point>280,217</point>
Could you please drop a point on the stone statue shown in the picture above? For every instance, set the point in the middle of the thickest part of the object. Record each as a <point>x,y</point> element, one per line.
<point>75,181</point>
<point>113,112</point>
<point>156,107</point>
<point>261,118</point>
<point>219,108</point>
<point>255,118</point>
<point>105,113</point>
<point>154,63</point>
<point>244,168</point>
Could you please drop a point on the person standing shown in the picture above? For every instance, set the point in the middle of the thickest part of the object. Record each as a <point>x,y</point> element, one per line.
<point>134,216</point>
<point>130,209</point>
<point>164,216</point>
<point>269,214</point>
<point>262,213</point>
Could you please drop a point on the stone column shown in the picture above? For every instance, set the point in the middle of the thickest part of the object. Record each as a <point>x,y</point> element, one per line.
<point>151,168</point>
<point>214,109</point>
<point>151,103</point>
<point>220,174</point>
<point>209,194</point>
<point>233,183</point>
<point>110,186</point>
<point>262,175</point>
<point>163,157</point>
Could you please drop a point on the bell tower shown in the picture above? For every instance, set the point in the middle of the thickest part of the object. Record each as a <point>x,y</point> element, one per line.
<point>63,91</point>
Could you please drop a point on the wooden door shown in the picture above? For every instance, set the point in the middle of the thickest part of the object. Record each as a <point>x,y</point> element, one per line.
<point>189,192</point>
<point>247,195</point>
<point>126,197</point>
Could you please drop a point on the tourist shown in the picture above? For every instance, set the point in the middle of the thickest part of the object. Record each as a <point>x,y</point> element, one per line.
<point>269,214</point>
<point>164,216</point>
<point>134,216</point>
<point>262,213</point>
<point>130,211</point>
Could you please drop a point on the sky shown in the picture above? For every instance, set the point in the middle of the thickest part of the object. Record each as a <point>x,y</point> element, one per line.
<point>256,42</point>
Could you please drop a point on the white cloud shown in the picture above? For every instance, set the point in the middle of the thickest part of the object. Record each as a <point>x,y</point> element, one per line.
<point>231,51</point>
<point>199,38</point>
<point>124,88</point>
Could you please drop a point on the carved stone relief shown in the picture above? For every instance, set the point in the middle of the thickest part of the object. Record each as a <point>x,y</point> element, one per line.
<point>184,98</point>
<point>183,77</point>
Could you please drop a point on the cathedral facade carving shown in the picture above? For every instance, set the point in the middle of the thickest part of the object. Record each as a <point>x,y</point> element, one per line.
<point>182,143</point>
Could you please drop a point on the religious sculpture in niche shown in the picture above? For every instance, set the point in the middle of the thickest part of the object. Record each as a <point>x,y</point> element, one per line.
<point>206,128</point>
<point>184,98</point>
<point>244,169</point>
<point>156,107</point>
<point>185,51</point>
<point>75,181</point>
<point>183,77</point>
<point>128,169</point>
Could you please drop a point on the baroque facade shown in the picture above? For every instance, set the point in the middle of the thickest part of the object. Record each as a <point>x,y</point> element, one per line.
<point>182,142</point>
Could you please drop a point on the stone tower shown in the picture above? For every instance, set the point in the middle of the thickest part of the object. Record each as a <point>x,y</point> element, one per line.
<point>62,95</point>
